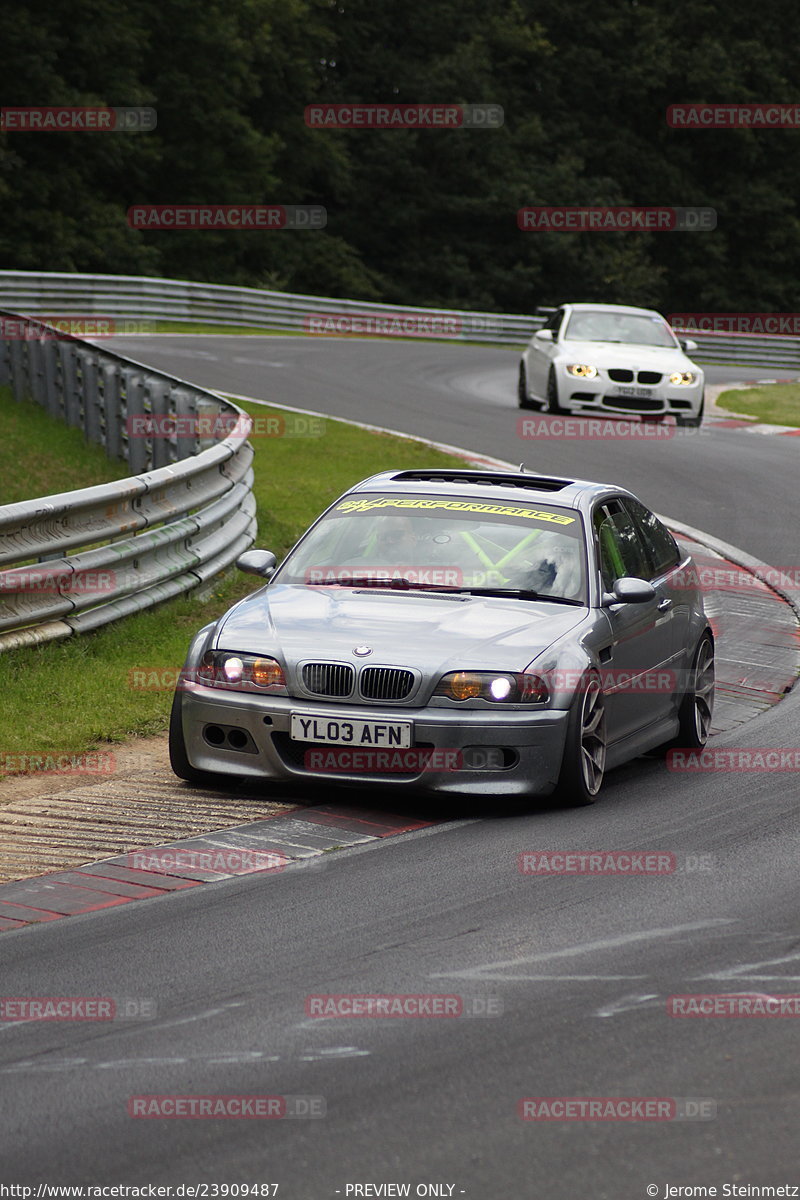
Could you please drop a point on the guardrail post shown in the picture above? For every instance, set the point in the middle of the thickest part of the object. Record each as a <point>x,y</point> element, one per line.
<point>51,378</point>
<point>38,384</point>
<point>158,393</point>
<point>73,413</point>
<point>5,363</point>
<point>18,373</point>
<point>92,402</point>
<point>113,410</point>
<point>211,426</point>
<point>137,447</point>
<point>186,407</point>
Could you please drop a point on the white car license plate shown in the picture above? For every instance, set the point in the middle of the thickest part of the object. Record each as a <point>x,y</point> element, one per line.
<point>632,391</point>
<point>306,727</point>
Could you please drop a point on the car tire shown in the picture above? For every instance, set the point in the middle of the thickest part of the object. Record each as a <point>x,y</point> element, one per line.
<point>583,765</point>
<point>693,422</point>
<point>553,405</point>
<point>692,731</point>
<point>523,398</point>
<point>178,758</point>
<point>697,706</point>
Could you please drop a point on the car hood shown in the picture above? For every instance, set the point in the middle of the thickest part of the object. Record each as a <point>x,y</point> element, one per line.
<point>431,633</point>
<point>613,354</point>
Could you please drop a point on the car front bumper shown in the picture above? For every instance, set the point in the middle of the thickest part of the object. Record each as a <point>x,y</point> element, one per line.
<point>511,753</point>
<point>603,395</point>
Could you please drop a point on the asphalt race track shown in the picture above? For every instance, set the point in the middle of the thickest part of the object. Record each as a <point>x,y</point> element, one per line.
<point>575,972</point>
<point>741,487</point>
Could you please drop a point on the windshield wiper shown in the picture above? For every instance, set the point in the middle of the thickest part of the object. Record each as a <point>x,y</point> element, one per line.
<point>522,594</point>
<point>402,584</point>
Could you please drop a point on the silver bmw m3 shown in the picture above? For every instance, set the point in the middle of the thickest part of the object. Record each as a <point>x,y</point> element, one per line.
<point>456,631</point>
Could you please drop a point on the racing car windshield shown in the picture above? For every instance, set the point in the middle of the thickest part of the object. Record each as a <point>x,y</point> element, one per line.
<point>452,543</point>
<point>638,330</point>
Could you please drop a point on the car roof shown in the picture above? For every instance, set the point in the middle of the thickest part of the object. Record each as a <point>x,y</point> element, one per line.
<point>527,486</point>
<point>614,308</point>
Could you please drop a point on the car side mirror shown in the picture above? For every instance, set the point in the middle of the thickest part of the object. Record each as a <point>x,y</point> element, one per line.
<point>257,562</point>
<point>543,335</point>
<point>687,345</point>
<point>628,590</point>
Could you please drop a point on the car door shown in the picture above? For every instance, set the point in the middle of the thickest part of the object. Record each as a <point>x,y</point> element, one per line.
<point>666,576</point>
<point>637,661</point>
<point>540,355</point>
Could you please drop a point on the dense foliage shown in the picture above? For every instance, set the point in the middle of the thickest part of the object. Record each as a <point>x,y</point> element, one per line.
<point>421,217</point>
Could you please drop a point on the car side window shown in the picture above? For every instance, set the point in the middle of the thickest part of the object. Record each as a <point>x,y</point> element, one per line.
<point>662,550</point>
<point>620,549</point>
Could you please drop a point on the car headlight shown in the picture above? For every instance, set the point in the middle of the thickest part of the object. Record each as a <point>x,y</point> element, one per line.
<point>582,370</point>
<point>502,687</point>
<point>682,378</point>
<point>242,673</point>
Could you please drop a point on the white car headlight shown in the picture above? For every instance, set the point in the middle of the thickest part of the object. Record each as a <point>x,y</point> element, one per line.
<point>582,370</point>
<point>682,378</point>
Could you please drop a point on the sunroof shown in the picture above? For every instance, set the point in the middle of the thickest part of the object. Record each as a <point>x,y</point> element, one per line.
<point>534,483</point>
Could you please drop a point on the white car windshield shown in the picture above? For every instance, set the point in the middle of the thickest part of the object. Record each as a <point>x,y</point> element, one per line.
<point>454,542</point>
<point>598,326</point>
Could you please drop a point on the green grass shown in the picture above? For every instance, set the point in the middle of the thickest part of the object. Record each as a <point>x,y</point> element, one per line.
<point>39,456</point>
<point>73,696</point>
<point>206,327</point>
<point>774,403</point>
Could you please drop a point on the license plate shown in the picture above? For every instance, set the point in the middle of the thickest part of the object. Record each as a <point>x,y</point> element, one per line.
<point>334,731</point>
<point>632,391</point>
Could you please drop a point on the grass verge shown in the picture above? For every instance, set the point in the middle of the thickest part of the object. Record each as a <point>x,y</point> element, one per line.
<point>40,456</point>
<point>80,695</point>
<point>774,403</point>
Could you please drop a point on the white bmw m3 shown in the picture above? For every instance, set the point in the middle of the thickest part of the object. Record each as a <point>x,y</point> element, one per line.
<point>611,359</point>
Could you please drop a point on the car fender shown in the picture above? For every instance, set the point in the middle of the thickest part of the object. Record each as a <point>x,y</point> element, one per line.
<point>564,664</point>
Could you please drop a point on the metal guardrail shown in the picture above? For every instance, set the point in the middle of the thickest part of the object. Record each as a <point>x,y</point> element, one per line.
<point>139,298</point>
<point>186,512</point>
